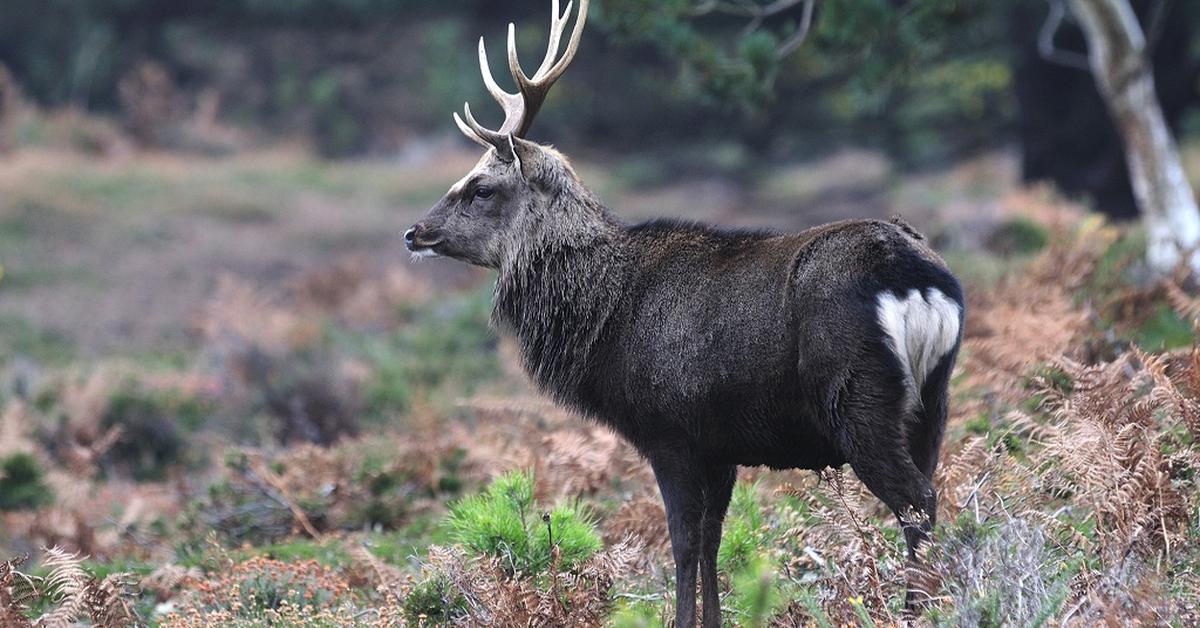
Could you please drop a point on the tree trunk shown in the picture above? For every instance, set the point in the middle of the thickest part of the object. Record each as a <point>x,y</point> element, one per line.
<point>1117,55</point>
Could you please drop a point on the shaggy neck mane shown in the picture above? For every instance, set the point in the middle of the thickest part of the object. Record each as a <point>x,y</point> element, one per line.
<point>558,288</point>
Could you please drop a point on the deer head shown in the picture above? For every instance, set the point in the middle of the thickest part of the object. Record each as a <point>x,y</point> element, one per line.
<point>516,180</point>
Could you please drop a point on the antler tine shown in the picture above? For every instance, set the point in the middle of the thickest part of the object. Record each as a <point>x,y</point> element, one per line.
<point>549,71</point>
<point>572,45</point>
<point>558,22</point>
<point>513,104</point>
<point>534,90</point>
<point>469,132</point>
<point>481,134</point>
<point>521,107</point>
<point>489,81</point>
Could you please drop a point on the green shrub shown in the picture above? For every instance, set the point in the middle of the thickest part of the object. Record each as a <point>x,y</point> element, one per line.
<point>756,594</point>
<point>637,615</point>
<point>746,554</point>
<point>153,424</point>
<point>434,601</point>
<point>503,522</point>
<point>981,425</point>
<point>1162,330</point>
<point>389,490</point>
<point>743,537</point>
<point>22,483</point>
<point>1018,236</point>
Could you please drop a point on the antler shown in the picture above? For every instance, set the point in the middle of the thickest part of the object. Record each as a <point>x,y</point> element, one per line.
<point>521,107</point>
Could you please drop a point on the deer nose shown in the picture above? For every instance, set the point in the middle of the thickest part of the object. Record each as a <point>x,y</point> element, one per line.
<point>410,236</point>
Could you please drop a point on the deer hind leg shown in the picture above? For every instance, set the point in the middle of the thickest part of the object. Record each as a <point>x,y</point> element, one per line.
<point>925,435</point>
<point>878,415</point>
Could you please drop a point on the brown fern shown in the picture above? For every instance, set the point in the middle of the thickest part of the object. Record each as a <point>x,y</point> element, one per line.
<point>108,601</point>
<point>66,584</point>
<point>17,593</point>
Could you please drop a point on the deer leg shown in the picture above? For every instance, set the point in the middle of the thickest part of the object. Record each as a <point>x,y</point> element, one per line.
<point>925,435</point>
<point>877,418</point>
<point>682,489</point>
<point>907,492</point>
<point>717,490</point>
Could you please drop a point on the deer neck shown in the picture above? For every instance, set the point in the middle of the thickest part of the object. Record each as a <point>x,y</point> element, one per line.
<point>557,295</point>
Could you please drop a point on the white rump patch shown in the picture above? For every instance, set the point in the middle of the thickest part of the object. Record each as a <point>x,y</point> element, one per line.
<point>921,328</point>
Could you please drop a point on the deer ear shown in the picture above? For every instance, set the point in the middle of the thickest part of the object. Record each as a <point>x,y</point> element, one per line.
<point>527,154</point>
<point>505,150</point>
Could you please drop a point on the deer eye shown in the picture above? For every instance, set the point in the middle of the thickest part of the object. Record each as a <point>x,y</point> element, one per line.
<point>483,192</point>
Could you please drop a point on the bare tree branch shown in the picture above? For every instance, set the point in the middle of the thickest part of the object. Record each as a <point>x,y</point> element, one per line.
<point>1046,47</point>
<point>759,14</point>
<point>1154,25</point>
<point>744,8</point>
<point>792,43</point>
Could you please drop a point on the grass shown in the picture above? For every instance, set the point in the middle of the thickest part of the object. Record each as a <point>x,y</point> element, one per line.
<point>443,346</point>
<point>20,337</point>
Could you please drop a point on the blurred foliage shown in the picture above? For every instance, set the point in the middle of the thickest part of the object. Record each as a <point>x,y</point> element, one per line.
<point>352,74</point>
<point>22,483</point>
<point>155,426</point>
<point>444,346</point>
<point>1018,236</point>
<point>927,81</point>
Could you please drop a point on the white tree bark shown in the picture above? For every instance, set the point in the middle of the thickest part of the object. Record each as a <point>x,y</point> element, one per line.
<point>1119,62</point>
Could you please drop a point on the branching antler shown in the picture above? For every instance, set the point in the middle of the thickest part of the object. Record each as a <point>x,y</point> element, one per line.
<point>521,108</point>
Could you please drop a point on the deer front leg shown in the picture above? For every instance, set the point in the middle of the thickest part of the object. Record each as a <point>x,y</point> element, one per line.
<point>680,482</point>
